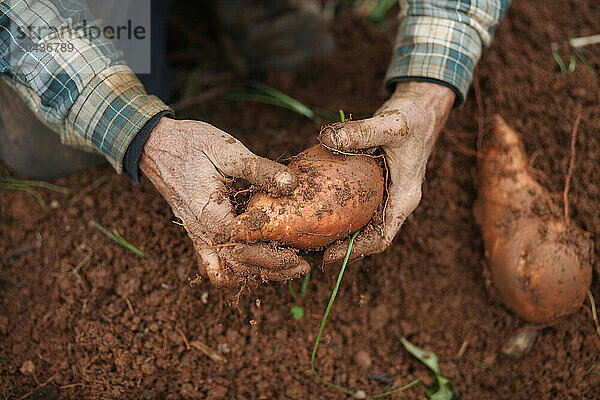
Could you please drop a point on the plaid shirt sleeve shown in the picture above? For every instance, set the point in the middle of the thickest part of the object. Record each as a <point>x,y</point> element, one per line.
<point>442,40</point>
<point>75,83</point>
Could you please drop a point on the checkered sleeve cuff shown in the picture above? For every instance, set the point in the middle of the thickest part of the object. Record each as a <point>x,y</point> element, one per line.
<point>110,110</point>
<point>433,48</point>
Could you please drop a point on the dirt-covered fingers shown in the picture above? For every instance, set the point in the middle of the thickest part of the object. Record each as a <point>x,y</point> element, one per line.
<point>233,265</point>
<point>380,130</point>
<point>265,256</point>
<point>232,158</point>
<point>210,263</point>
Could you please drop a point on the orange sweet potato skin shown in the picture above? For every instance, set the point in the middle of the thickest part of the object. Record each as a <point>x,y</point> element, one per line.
<point>336,195</point>
<point>540,266</point>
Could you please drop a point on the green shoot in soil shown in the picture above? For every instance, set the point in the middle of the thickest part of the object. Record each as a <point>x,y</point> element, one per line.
<point>572,63</point>
<point>267,95</point>
<point>581,57</point>
<point>322,327</point>
<point>302,288</point>
<point>297,311</point>
<point>442,388</point>
<point>324,320</point>
<point>116,236</point>
<point>342,116</point>
<point>559,61</point>
<point>28,186</point>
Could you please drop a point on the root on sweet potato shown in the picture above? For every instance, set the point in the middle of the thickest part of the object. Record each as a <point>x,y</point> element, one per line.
<point>540,265</point>
<point>336,195</point>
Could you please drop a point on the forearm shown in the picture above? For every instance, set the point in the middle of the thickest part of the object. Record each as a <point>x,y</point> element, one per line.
<point>85,93</point>
<point>442,41</point>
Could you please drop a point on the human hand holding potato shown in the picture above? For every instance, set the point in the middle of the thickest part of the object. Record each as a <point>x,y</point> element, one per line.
<point>188,162</point>
<point>406,128</point>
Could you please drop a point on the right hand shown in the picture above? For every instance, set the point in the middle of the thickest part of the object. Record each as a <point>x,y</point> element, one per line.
<point>189,162</point>
<point>406,127</point>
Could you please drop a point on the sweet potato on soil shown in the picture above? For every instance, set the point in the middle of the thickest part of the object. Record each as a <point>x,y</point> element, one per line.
<point>540,266</point>
<point>336,195</point>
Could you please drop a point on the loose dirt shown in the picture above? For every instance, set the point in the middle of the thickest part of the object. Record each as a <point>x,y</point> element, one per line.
<point>99,322</point>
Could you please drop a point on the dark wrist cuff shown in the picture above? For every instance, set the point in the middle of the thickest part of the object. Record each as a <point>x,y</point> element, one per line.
<point>134,151</point>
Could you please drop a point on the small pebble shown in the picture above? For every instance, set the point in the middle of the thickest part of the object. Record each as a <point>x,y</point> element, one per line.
<point>224,348</point>
<point>363,359</point>
<point>204,298</point>
<point>360,394</point>
<point>520,343</point>
<point>27,368</point>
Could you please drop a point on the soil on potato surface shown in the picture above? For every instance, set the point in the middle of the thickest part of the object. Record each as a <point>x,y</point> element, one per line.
<point>100,322</point>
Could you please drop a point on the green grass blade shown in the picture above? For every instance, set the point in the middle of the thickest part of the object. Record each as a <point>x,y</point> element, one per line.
<point>322,327</point>
<point>292,291</point>
<point>304,284</point>
<point>559,61</point>
<point>324,113</point>
<point>40,184</point>
<point>115,236</point>
<point>342,116</point>
<point>264,99</point>
<point>24,188</point>
<point>286,100</point>
<point>324,321</point>
<point>267,95</point>
<point>581,57</point>
<point>400,389</point>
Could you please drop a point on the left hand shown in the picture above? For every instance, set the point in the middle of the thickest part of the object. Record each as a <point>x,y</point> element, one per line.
<point>406,127</point>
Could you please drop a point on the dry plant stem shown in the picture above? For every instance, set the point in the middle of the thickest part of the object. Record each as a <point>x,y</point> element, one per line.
<point>594,312</point>
<point>210,353</point>
<point>72,385</point>
<point>571,163</point>
<point>461,147</point>
<point>184,338</point>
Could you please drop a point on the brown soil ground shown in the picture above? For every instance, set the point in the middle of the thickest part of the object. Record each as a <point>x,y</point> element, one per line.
<point>100,322</point>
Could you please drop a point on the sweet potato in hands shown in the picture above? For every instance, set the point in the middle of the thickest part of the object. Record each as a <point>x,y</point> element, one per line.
<point>336,195</point>
<point>540,266</point>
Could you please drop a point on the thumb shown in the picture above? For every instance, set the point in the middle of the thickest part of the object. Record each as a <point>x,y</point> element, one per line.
<point>379,130</point>
<point>232,158</point>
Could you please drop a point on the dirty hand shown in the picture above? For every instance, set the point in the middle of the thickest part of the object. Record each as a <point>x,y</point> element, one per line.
<point>405,127</point>
<point>189,162</point>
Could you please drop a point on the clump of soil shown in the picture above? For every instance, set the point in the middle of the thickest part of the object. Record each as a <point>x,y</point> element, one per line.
<point>98,321</point>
